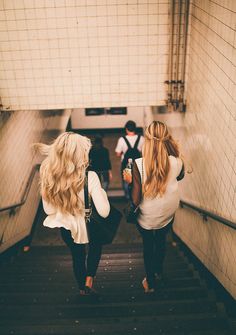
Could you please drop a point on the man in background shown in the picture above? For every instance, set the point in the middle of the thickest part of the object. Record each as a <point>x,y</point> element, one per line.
<point>129,147</point>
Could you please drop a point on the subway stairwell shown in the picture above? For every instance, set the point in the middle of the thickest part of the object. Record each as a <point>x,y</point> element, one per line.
<point>39,296</point>
<point>90,66</point>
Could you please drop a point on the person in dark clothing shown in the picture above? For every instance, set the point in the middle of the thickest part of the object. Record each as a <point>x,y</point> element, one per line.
<point>100,162</point>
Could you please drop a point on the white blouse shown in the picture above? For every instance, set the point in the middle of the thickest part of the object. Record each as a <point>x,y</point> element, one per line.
<point>158,212</point>
<point>76,223</point>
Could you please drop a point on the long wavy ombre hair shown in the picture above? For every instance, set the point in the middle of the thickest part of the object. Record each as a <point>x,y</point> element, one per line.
<point>62,173</point>
<point>158,145</point>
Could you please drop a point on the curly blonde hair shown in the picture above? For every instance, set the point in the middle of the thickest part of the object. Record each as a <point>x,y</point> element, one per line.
<point>62,173</point>
<point>158,145</point>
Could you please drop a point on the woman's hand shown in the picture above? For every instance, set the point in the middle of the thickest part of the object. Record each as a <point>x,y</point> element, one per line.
<point>127,176</point>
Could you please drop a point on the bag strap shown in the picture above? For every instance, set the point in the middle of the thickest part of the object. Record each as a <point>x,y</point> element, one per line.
<point>137,142</point>
<point>127,142</point>
<point>182,173</point>
<point>141,187</point>
<point>142,173</point>
<point>87,202</point>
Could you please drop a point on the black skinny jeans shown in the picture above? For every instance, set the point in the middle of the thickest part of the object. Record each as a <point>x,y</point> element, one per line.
<point>78,252</point>
<point>154,249</point>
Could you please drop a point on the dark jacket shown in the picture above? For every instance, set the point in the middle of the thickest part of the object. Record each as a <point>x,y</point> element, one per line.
<point>99,159</point>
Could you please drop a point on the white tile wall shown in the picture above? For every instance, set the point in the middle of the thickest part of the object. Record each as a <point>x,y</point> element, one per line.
<point>68,54</point>
<point>18,131</point>
<point>210,136</point>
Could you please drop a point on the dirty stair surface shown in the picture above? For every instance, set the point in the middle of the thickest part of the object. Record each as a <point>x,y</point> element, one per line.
<point>38,296</point>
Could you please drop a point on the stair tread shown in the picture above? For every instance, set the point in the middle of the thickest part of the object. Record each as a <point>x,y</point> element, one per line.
<point>113,261</point>
<point>85,310</point>
<point>136,296</point>
<point>195,321</point>
<point>109,267</point>
<point>125,283</point>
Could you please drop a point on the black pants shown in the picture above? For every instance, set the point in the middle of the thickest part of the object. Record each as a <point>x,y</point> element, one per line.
<point>154,249</point>
<point>78,251</point>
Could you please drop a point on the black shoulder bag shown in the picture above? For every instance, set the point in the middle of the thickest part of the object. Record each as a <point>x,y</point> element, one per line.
<point>132,212</point>
<point>100,230</point>
<point>182,173</point>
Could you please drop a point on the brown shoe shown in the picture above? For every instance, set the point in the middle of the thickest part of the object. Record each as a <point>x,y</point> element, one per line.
<point>146,288</point>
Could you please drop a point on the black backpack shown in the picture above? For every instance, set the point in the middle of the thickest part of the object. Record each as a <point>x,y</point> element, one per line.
<point>131,152</point>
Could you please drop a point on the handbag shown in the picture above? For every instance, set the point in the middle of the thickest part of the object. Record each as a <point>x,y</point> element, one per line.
<point>132,212</point>
<point>100,230</point>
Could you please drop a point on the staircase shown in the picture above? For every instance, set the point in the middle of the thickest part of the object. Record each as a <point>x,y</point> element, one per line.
<point>38,296</point>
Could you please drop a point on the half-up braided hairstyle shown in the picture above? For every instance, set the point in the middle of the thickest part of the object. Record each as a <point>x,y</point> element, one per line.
<point>62,173</point>
<point>158,145</point>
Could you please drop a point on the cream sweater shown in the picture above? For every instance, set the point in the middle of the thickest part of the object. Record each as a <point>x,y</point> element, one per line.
<point>158,212</point>
<point>76,223</point>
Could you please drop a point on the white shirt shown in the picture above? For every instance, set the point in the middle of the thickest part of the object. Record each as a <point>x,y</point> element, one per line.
<point>122,146</point>
<point>158,212</point>
<point>76,223</point>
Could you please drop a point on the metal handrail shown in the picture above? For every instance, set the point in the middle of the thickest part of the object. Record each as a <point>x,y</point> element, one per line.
<point>25,193</point>
<point>207,214</point>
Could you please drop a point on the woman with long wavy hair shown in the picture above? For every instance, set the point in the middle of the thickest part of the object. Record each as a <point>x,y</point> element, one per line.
<point>62,177</point>
<point>155,191</point>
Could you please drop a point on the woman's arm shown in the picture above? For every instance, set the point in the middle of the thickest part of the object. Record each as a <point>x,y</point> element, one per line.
<point>136,188</point>
<point>119,148</point>
<point>98,195</point>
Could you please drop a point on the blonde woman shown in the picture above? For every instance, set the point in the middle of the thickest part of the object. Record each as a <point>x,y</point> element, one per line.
<point>62,176</point>
<point>155,191</point>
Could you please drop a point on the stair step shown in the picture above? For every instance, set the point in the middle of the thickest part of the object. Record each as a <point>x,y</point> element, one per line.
<point>65,265</point>
<point>114,261</point>
<point>107,296</point>
<point>126,325</point>
<point>29,262</point>
<point>154,308</point>
<point>67,261</point>
<point>115,253</point>
<point>168,273</point>
<point>122,284</point>
<point>103,273</point>
<point>111,248</point>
